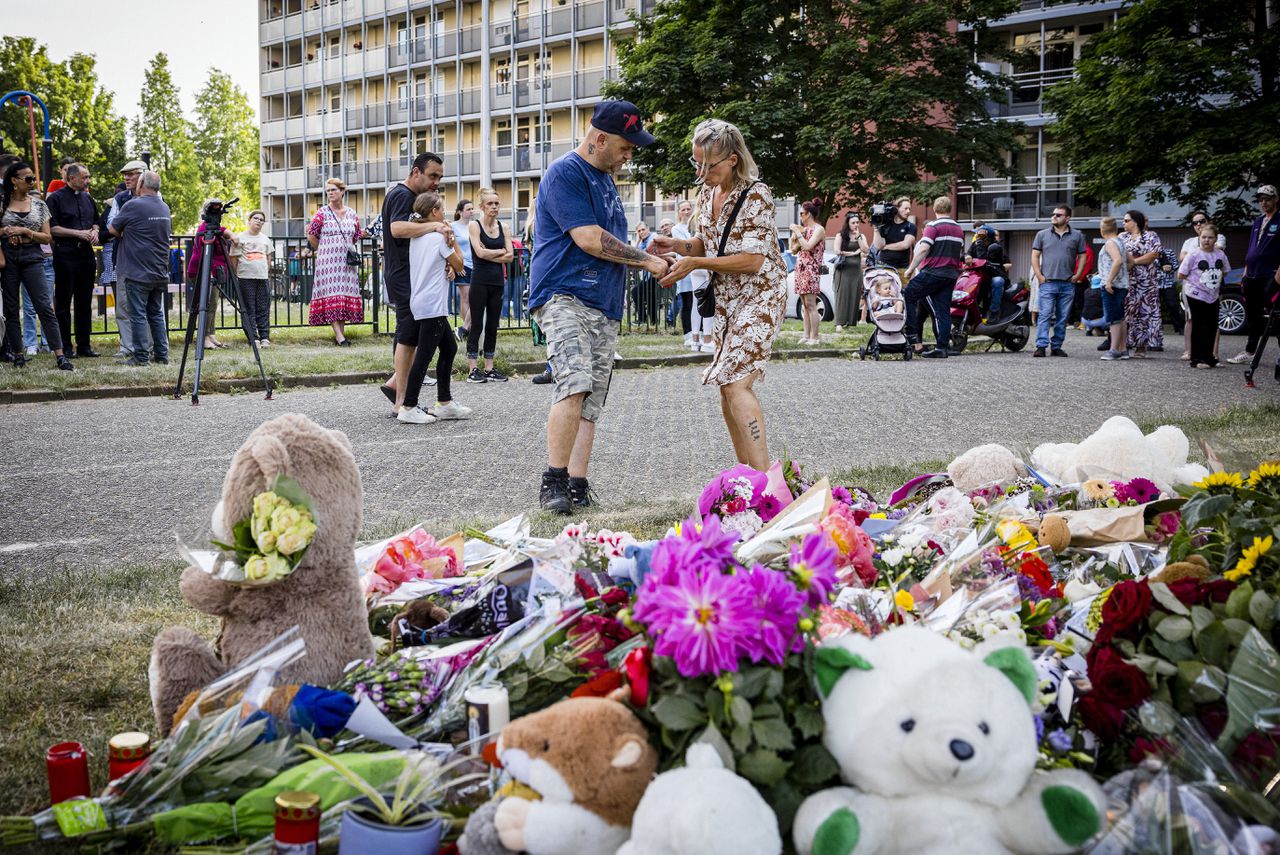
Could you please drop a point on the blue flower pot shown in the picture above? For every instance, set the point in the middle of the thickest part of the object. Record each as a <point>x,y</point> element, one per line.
<point>361,835</point>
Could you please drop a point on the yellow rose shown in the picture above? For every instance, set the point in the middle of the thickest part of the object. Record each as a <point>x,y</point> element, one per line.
<point>265,503</point>
<point>277,568</point>
<point>284,518</point>
<point>292,541</point>
<point>255,568</point>
<point>266,541</point>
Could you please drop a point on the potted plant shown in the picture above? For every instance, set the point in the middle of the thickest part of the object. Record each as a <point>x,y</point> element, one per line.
<point>404,824</point>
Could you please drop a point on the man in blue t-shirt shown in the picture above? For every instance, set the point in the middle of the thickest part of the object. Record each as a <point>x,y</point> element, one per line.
<point>577,279</point>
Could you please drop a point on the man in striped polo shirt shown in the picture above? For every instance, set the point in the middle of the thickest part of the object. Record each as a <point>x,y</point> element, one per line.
<point>938,255</point>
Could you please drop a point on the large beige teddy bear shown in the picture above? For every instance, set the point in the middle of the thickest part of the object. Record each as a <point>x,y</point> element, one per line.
<point>322,596</point>
<point>1119,451</point>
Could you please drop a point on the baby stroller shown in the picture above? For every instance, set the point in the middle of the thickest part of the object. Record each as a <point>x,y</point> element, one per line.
<point>888,336</point>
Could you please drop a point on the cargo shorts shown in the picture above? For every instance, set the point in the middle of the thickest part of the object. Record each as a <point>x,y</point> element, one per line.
<point>581,343</point>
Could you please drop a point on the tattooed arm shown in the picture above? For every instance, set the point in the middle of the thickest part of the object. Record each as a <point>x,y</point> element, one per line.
<point>594,240</point>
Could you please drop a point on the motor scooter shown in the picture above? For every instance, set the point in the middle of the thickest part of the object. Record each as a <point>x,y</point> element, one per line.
<point>971,295</point>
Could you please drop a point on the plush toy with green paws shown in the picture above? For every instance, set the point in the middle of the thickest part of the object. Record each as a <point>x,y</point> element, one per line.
<point>939,746</point>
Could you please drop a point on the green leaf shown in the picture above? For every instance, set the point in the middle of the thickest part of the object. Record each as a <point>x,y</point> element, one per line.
<point>763,767</point>
<point>740,738</point>
<point>1174,651</point>
<point>1254,686</point>
<point>1201,617</point>
<point>1238,602</point>
<point>1262,610</point>
<point>750,682</point>
<point>678,712</point>
<point>740,710</point>
<point>1167,600</point>
<point>1152,666</point>
<point>1214,643</point>
<point>768,709</point>
<point>772,733</point>
<point>1237,630</point>
<point>813,766</point>
<point>808,720</point>
<point>1204,507</point>
<point>1202,683</point>
<point>1174,628</point>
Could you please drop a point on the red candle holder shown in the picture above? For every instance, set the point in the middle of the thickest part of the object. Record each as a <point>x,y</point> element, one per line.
<point>68,767</point>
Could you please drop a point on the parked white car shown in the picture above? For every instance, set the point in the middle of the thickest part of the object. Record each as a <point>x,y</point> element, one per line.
<point>826,285</point>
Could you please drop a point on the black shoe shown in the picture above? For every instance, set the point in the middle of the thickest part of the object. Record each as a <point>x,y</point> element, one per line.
<point>493,375</point>
<point>461,333</point>
<point>544,379</point>
<point>580,493</point>
<point>87,353</point>
<point>1057,351</point>
<point>160,360</point>
<point>1106,343</point>
<point>6,356</point>
<point>388,392</point>
<point>951,351</point>
<point>64,364</point>
<point>1039,352</point>
<point>476,376</point>
<point>554,494</point>
<point>18,359</point>
<point>933,353</point>
<point>346,342</point>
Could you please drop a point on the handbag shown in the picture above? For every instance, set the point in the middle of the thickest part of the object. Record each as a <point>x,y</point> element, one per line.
<point>352,258</point>
<point>706,296</point>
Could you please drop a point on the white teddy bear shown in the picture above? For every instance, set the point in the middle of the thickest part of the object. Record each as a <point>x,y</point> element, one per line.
<point>1119,450</point>
<point>984,465</point>
<point>939,746</point>
<point>702,809</point>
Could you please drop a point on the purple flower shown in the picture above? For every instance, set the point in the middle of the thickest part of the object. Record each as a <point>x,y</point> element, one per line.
<point>813,564</point>
<point>767,507</point>
<point>778,606</point>
<point>1139,490</point>
<point>1060,740</point>
<point>720,487</point>
<point>703,619</point>
<point>1039,720</point>
<point>840,494</point>
<point>699,545</point>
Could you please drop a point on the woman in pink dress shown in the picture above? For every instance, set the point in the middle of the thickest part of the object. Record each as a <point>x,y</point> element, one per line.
<point>808,239</point>
<point>336,298</point>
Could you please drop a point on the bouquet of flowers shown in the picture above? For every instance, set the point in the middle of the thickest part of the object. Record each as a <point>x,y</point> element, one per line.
<point>1233,521</point>
<point>744,498</point>
<point>578,546</point>
<point>407,557</point>
<point>1100,493</point>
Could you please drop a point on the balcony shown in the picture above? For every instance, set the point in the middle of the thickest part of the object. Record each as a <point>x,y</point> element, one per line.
<point>469,101</point>
<point>273,131</point>
<point>559,21</point>
<point>469,163</point>
<point>445,44</point>
<point>354,120</point>
<point>469,38</point>
<point>402,53</point>
<point>375,115</point>
<point>587,84</point>
<point>1032,200</point>
<point>273,80</point>
<point>1025,98</point>
<point>440,107</point>
<point>589,16</point>
<point>560,87</point>
<point>501,97</point>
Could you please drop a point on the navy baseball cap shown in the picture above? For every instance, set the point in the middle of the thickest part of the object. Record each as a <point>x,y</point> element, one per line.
<point>621,118</point>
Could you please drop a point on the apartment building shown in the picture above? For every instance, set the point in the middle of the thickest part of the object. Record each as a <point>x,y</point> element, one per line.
<point>500,88</point>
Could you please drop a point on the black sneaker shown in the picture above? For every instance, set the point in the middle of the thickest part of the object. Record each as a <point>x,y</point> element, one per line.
<point>1057,351</point>
<point>580,493</point>
<point>1039,352</point>
<point>64,364</point>
<point>493,375</point>
<point>543,379</point>
<point>554,494</point>
<point>159,360</point>
<point>1106,343</point>
<point>476,376</point>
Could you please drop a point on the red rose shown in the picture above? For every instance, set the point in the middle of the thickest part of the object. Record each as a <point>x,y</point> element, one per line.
<point>1128,605</point>
<point>636,665</point>
<point>1142,746</point>
<point>1213,718</point>
<point>1100,717</point>
<point>1256,754</point>
<point>600,687</point>
<point>1189,591</point>
<point>1115,680</point>
<point>614,596</point>
<point>1219,590</point>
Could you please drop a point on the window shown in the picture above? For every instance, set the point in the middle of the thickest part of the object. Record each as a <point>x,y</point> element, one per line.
<point>335,99</point>
<point>402,95</point>
<point>503,134</point>
<point>502,77</point>
<point>335,47</point>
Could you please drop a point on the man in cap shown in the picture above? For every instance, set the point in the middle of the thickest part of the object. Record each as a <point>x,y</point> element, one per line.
<point>129,174</point>
<point>577,279</point>
<point>1261,269</point>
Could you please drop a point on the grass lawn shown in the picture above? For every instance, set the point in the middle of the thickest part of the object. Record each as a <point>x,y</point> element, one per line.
<point>301,352</point>
<point>74,645</point>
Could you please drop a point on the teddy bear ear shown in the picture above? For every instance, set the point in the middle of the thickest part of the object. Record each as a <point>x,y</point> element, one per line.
<point>830,663</point>
<point>271,455</point>
<point>1015,665</point>
<point>628,755</point>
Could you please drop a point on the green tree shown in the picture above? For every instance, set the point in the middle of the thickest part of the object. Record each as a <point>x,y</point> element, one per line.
<point>226,144</point>
<point>161,129</point>
<point>1182,93</point>
<point>83,122</point>
<point>848,100</point>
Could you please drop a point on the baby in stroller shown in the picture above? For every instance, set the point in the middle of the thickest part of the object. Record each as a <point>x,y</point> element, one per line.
<point>886,307</point>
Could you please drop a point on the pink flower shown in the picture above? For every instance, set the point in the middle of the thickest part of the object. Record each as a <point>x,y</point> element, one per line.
<point>699,545</point>
<point>813,564</point>
<point>778,608</point>
<point>703,619</point>
<point>776,495</point>
<point>720,488</point>
<point>854,546</point>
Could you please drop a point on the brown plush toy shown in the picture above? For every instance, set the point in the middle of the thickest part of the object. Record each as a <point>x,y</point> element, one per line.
<point>1192,567</point>
<point>590,760</point>
<point>322,596</point>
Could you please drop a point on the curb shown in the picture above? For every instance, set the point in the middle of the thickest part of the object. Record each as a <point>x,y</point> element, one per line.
<point>246,384</point>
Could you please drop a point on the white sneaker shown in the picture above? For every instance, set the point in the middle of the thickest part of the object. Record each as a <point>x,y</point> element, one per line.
<point>688,339</point>
<point>31,351</point>
<point>708,348</point>
<point>415,416</point>
<point>616,356</point>
<point>429,381</point>
<point>264,342</point>
<point>1241,358</point>
<point>450,410</point>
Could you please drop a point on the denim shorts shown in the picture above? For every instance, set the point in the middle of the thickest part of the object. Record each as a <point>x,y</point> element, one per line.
<point>1113,305</point>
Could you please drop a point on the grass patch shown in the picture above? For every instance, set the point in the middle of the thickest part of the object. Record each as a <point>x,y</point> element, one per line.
<point>311,352</point>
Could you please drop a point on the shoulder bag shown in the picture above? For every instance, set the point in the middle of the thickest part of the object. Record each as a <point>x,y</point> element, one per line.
<point>706,296</point>
<point>353,255</point>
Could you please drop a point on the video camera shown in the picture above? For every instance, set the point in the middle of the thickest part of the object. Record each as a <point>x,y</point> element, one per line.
<point>882,214</point>
<point>213,212</point>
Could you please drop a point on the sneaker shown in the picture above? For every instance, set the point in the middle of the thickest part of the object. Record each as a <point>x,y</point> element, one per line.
<point>1110,356</point>
<point>1039,352</point>
<point>688,339</point>
<point>1126,354</point>
<point>31,351</point>
<point>493,375</point>
<point>1106,343</point>
<point>415,416</point>
<point>160,360</point>
<point>450,410</point>
<point>580,493</point>
<point>1057,351</point>
<point>461,332</point>
<point>554,494</point>
<point>428,381</point>
<point>64,364</point>
<point>544,379</point>
<point>708,348</point>
<point>476,376</point>
<point>264,342</point>
<point>1241,358</point>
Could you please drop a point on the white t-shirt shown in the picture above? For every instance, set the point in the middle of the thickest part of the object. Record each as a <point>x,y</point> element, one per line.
<point>254,254</point>
<point>429,295</point>
<point>1191,244</point>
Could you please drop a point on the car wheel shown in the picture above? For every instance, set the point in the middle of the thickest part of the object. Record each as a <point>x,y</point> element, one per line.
<point>1231,315</point>
<point>824,307</point>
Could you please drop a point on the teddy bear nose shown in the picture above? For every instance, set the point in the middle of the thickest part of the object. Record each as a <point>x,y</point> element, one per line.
<point>961,749</point>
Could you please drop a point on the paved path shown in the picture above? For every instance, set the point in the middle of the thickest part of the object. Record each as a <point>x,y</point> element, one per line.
<point>113,479</point>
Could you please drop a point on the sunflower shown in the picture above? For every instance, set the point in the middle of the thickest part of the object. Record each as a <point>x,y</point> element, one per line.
<point>1213,483</point>
<point>1266,476</point>
<point>1249,559</point>
<point>1098,489</point>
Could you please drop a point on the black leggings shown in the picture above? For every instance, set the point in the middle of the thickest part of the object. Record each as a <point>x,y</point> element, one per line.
<point>686,311</point>
<point>432,333</point>
<point>486,310</point>
<point>25,266</point>
<point>1204,329</point>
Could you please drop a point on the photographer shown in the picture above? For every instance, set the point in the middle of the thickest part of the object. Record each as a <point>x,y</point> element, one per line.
<point>218,268</point>
<point>894,240</point>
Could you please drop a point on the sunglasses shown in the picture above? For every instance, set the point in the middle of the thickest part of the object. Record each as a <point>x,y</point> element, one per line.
<point>30,179</point>
<point>1198,222</point>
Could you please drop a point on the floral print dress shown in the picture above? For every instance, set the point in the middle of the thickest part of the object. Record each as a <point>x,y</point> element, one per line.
<point>337,286</point>
<point>1142,303</point>
<point>809,266</point>
<point>749,306</point>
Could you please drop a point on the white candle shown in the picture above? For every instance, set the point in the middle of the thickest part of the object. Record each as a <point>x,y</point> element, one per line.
<point>488,712</point>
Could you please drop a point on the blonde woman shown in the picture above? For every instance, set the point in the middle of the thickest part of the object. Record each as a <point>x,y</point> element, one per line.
<point>336,299</point>
<point>491,251</point>
<point>750,278</point>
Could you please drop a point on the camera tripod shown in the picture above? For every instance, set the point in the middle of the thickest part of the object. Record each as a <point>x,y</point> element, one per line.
<point>198,320</point>
<point>1270,329</point>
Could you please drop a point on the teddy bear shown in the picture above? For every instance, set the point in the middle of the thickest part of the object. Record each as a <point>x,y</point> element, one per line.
<point>321,597</point>
<point>702,809</point>
<point>1119,450</point>
<point>985,464</point>
<point>588,759</point>
<point>938,745</point>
